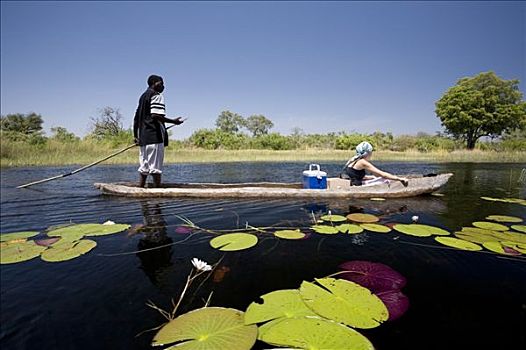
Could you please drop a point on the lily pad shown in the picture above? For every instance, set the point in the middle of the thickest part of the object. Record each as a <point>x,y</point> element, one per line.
<point>420,230</point>
<point>377,277</point>
<point>345,302</point>
<point>376,228</point>
<point>68,250</point>
<point>183,229</point>
<point>234,241</point>
<point>476,237</point>
<point>76,232</point>
<point>313,333</point>
<point>349,228</point>
<point>521,248</point>
<point>458,243</point>
<point>325,229</point>
<point>503,218</point>
<point>333,218</point>
<point>11,253</point>
<point>289,234</point>
<point>46,242</point>
<point>286,303</point>
<point>520,228</point>
<point>397,303</point>
<point>497,247</point>
<point>365,218</point>
<point>4,237</point>
<point>478,230</point>
<point>511,236</point>
<point>490,226</point>
<point>206,329</point>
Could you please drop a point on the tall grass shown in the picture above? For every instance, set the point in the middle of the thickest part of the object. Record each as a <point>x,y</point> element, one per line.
<point>83,152</point>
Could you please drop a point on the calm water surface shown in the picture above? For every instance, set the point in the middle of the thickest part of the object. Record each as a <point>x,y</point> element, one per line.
<point>459,300</point>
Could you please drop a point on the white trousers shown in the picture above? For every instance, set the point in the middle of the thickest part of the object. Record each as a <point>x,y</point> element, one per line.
<point>151,159</point>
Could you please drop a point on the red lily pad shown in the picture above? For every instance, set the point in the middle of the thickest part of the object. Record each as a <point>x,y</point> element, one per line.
<point>46,242</point>
<point>375,276</point>
<point>183,230</point>
<point>396,302</point>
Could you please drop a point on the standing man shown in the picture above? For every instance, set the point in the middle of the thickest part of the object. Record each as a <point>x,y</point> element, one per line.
<point>150,132</point>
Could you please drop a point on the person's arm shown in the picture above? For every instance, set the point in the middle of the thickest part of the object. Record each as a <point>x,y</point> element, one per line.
<point>136,127</point>
<point>372,169</point>
<point>158,111</point>
<point>162,118</point>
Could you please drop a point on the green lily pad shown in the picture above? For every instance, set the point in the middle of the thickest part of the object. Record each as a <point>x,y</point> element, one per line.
<point>206,329</point>
<point>325,229</point>
<point>476,237</point>
<point>376,228</point>
<point>234,241</point>
<point>333,218</point>
<point>68,250</point>
<point>365,218</point>
<point>286,303</point>
<point>349,228</point>
<point>458,243</point>
<point>344,301</point>
<point>520,228</point>
<point>313,333</point>
<point>511,236</point>
<point>420,230</point>
<point>503,218</point>
<point>11,253</point>
<point>483,231</point>
<point>490,226</point>
<point>289,234</point>
<point>4,237</point>
<point>75,232</point>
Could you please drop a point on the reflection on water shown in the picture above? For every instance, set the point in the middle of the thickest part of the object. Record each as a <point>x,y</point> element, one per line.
<point>154,262</point>
<point>97,301</point>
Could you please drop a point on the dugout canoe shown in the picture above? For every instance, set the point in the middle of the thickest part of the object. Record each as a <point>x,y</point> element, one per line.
<point>336,188</point>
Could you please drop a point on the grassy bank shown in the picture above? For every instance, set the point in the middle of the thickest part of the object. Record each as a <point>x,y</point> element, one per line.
<point>81,153</point>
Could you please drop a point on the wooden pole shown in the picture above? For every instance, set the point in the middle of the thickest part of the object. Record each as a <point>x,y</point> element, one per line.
<point>84,167</point>
<point>77,170</point>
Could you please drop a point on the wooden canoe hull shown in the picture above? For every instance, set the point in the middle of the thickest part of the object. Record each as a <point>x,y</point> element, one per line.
<point>337,188</point>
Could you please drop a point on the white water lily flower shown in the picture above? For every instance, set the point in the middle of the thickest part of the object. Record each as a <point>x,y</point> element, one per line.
<point>109,222</point>
<point>201,265</point>
<point>415,218</point>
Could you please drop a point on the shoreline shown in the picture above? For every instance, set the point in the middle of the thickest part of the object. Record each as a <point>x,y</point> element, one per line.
<point>178,156</point>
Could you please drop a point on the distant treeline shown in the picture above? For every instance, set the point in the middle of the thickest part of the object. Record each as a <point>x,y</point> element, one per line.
<point>233,132</point>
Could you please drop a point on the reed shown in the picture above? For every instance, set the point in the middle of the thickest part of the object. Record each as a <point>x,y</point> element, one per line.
<point>15,154</point>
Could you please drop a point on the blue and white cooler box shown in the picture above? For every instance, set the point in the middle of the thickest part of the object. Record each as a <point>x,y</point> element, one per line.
<point>314,178</point>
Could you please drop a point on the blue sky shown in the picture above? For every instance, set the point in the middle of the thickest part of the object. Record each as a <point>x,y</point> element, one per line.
<point>319,66</point>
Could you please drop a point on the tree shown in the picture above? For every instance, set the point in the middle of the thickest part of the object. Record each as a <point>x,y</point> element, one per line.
<point>108,123</point>
<point>258,125</point>
<point>229,122</point>
<point>30,124</point>
<point>484,105</point>
<point>63,135</point>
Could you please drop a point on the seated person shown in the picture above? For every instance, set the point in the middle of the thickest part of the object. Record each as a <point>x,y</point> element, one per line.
<point>356,166</point>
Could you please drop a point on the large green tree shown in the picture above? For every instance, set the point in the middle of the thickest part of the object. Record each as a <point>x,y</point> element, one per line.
<point>229,122</point>
<point>27,124</point>
<point>483,105</point>
<point>258,125</point>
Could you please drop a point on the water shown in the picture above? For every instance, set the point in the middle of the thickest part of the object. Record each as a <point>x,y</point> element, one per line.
<point>459,300</point>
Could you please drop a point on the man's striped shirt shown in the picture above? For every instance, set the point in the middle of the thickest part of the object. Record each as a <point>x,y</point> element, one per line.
<point>157,105</point>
